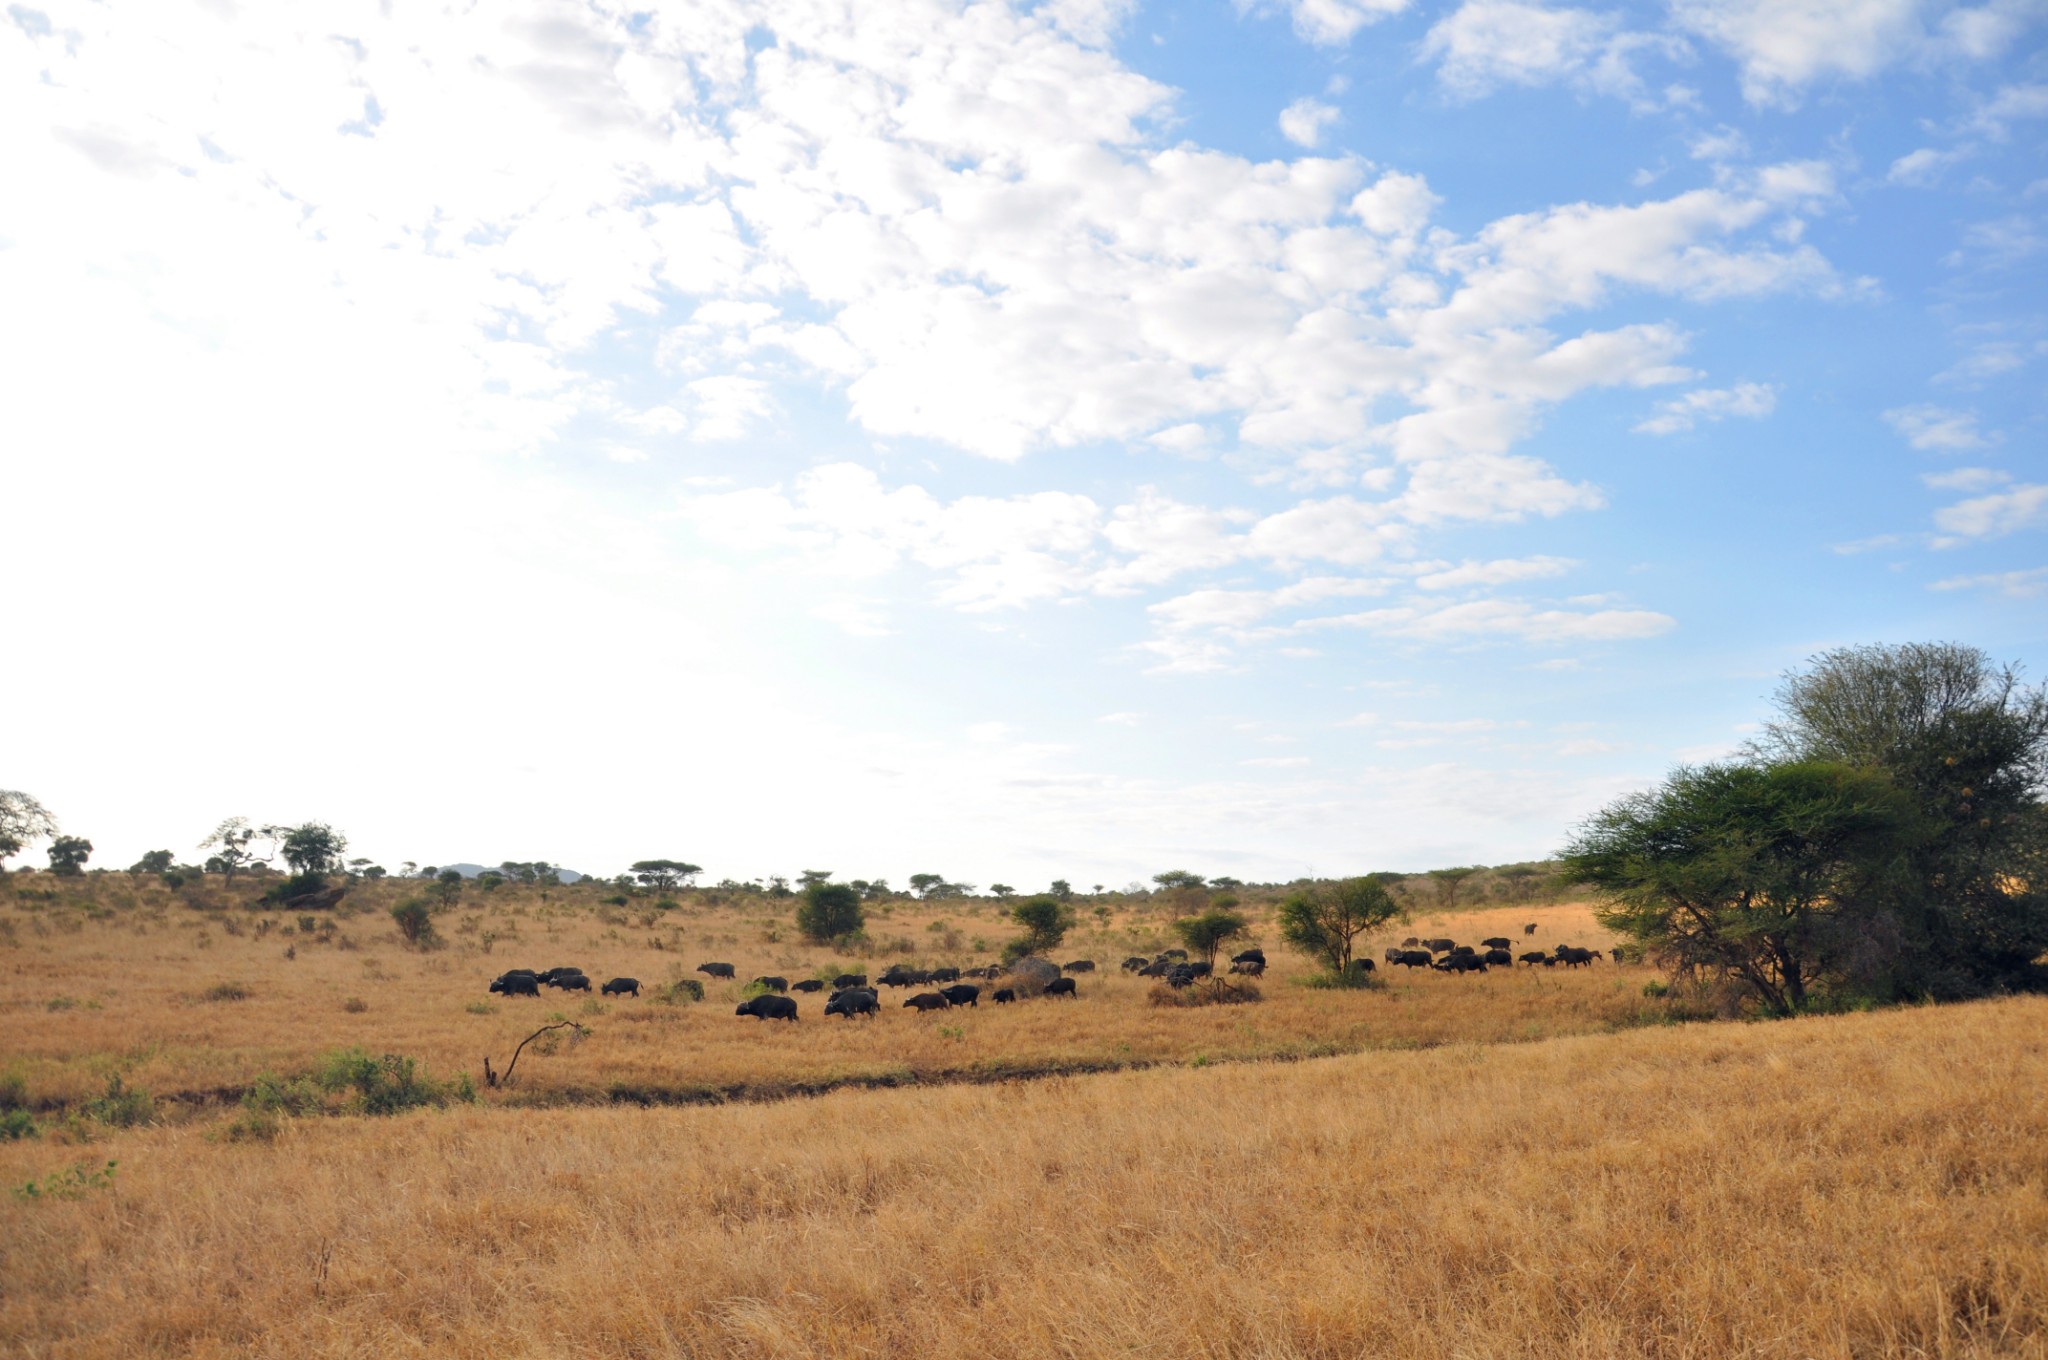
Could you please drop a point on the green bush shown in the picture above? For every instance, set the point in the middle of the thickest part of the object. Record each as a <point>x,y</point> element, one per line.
<point>415,921</point>
<point>225,991</point>
<point>680,991</point>
<point>386,1084</point>
<point>298,885</point>
<point>17,1124</point>
<point>71,1183</point>
<point>829,911</point>
<point>122,1107</point>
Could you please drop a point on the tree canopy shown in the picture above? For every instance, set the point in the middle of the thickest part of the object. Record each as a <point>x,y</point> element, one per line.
<point>1209,932</point>
<point>664,874</point>
<point>829,911</point>
<point>1325,919</point>
<point>23,820</point>
<point>1046,921</point>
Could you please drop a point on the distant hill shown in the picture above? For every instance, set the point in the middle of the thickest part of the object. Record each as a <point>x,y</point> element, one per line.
<point>472,870</point>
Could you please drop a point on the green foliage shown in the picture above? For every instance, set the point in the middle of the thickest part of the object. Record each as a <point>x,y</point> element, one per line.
<point>386,1084</point>
<point>829,911</point>
<point>1046,921</point>
<point>16,1125</point>
<point>1324,920</point>
<point>1448,882</point>
<point>1208,932</point>
<point>664,875</point>
<point>1061,889</point>
<point>121,1106</point>
<point>74,1182</point>
<point>1768,875</point>
<point>415,921</point>
<point>1174,879</point>
<point>153,862</point>
<point>68,855</point>
<point>447,887</point>
<point>230,844</point>
<point>298,885</point>
<point>312,848</point>
<point>681,992</point>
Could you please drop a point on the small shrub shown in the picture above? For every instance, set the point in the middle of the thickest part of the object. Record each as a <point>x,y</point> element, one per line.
<point>71,1183</point>
<point>225,991</point>
<point>665,904</point>
<point>386,1084</point>
<point>60,1003</point>
<point>17,1124</point>
<point>415,921</point>
<point>13,1092</point>
<point>355,1005</point>
<point>481,1008</point>
<point>1213,993</point>
<point>1654,988</point>
<point>681,991</point>
<point>122,1107</point>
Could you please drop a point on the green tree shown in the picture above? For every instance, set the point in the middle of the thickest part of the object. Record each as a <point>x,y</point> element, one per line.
<point>1209,932</point>
<point>447,886</point>
<point>1001,890</point>
<point>22,821</point>
<point>829,911</point>
<point>415,921</point>
<point>1046,921</point>
<point>1967,742</point>
<point>1324,920</point>
<point>313,848</point>
<point>68,854</point>
<point>664,875</point>
<point>153,862</point>
<point>806,878</point>
<point>1177,878</point>
<point>230,845</point>
<point>1062,889</point>
<point>1770,875</point>
<point>1448,881</point>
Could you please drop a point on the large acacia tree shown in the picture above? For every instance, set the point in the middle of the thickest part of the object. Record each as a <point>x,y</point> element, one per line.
<point>22,821</point>
<point>1326,919</point>
<point>1771,875</point>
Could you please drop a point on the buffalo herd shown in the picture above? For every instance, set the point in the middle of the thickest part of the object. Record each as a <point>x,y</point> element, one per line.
<point>852,995</point>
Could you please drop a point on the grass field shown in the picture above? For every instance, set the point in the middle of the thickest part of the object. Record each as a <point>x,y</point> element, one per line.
<point>133,989</point>
<point>1501,1166</point>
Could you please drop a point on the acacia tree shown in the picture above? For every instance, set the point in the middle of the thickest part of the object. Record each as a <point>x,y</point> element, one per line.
<point>1209,932</point>
<point>1324,919</point>
<point>1046,921</point>
<point>1771,875</point>
<point>664,875</point>
<point>313,849</point>
<point>68,854</point>
<point>1448,881</point>
<point>22,821</point>
<point>230,845</point>
<point>1967,743</point>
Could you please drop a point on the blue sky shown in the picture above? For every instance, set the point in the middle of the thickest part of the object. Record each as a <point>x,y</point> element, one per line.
<point>1010,441</point>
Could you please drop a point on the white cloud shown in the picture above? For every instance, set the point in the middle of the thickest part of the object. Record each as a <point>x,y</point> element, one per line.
<point>727,405</point>
<point>2009,105</point>
<point>1922,168</point>
<point>1749,400</point>
<point>1993,516</point>
<point>1304,121</point>
<point>1722,144</point>
<point>2020,585</point>
<point>1506,620</point>
<point>1495,573</point>
<point>1938,428</point>
<point>1328,23</point>
<point>1121,719</point>
<point>1486,44</point>
<point>1997,244</point>
<point>1966,479</point>
<point>1278,762</point>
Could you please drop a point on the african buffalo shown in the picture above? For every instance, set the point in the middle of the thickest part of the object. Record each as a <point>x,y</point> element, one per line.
<point>1616,951</point>
<point>1061,987</point>
<point>807,985</point>
<point>1078,966</point>
<point>845,980</point>
<point>1529,929</point>
<point>1004,996</point>
<point>573,982</point>
<point>1132,965</point>
<point>773,984</point>
<point>622,987</point>
<point>721,970</point>
<point>1180,975</point>
<point>1498,958</point>
<point>927,1001</point>
<point>553,976</point>
<point>962,994</point>
<point>1180,954</point>
<point>1535,957</point>
<point>854,1001</point>
<point>944,975</point>
<point>768,1007</point>
<point>1463,949</point>
<point>1461,963</point>
<point>1411,958</point>
<point>1410,942</point>
<point>1572,957</point>
<point>1497,942</point>
<point>516,984</point>
<point>1439,946</point>
<point>1159,969</point>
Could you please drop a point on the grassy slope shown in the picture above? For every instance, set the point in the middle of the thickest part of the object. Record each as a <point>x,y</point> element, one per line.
<point>1864,1185</point>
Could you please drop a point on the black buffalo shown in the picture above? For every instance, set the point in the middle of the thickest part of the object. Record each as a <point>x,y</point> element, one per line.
<point>1462,963</point>
<point>1411,958</point>
<point>1061,987</point>
<point>926,1001</point>
<point>573,982</point>
<point>1180,975</point>
<point>1498,958</point>
<point>622,987</point>
<point>1410,942</point>
<point>516,984</point>
<point>722,970</point>
<point>807,985</point>
<point>1529,929</point>
<point>1439,946</point>
<point>1180,954</point>
<point>1616,951</point>
<point>962,994</point>
<point>1573,957</point>
<point>1133,965</point>
<point>1078,966</point>
<point>768,1008</point>
<point>773,984</point>
<point>1159,969</point>
<point>943,975</point>
<point>854,1001</point>
<point>845,980</point>
<point>555,977</point>
<point>1497,942</point>
<point>1004,996</point>
<point>1535,957</point>
<point>1463,949</point>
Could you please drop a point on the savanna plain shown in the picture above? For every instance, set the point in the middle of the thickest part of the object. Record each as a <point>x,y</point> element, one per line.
<point>1528,1162</point>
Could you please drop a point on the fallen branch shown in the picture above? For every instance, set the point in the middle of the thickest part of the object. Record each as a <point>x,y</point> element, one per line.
<point>493,1079</point>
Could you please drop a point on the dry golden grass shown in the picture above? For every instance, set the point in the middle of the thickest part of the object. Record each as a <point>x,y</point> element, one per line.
<point>1857,1186</point>
<point>115,977</point>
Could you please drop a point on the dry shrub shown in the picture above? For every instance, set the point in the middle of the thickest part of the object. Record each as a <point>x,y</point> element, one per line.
<point>1205,992</point>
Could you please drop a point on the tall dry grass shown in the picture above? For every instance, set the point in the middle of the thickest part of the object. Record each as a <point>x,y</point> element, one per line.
<point>114,977</point>
<point>1859,1186</point>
